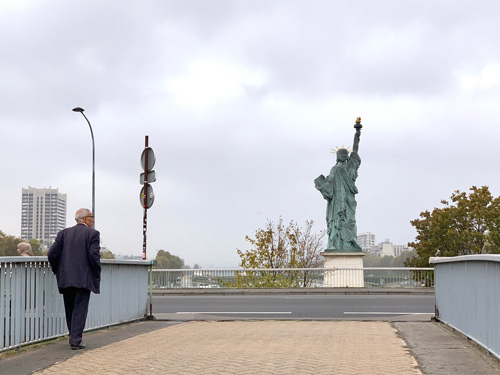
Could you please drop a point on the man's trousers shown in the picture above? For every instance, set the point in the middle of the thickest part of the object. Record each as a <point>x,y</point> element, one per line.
<point>76,305</point>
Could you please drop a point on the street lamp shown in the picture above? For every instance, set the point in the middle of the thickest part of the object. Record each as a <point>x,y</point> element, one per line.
<point>486,242</point>
<point>78,109</point>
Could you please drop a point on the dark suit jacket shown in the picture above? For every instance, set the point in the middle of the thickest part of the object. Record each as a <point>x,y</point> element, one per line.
<point>75,258</point>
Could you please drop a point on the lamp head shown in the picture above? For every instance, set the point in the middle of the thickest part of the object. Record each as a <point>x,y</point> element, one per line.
<point>78,109</point>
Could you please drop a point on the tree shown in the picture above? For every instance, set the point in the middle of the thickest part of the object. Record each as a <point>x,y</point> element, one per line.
<point>165,260</point>
<point>107,254</point>
<point>278,246</point>
<point>8,245</point>
<point>400,261</point>
<point>468,224</point>
<point>35,247</point>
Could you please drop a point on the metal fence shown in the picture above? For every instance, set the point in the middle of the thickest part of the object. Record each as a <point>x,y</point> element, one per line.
<point>468,297</point>
<point>289,277</point>
<point>31,308</point>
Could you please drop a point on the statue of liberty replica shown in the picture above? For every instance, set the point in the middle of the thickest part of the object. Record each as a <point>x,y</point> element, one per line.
<point>339,190</point>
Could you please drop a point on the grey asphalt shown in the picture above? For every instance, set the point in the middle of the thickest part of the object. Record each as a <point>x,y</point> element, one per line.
<point>436,348</point>
<point>310,307</point>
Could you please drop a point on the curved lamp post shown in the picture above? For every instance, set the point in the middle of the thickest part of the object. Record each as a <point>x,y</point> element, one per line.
<point>78,109</point>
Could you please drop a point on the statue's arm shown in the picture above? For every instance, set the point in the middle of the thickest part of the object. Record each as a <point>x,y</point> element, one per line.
<point>355,145</point>
<point>357,126</point>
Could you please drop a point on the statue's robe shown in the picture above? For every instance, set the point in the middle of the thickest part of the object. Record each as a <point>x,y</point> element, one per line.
<point>339,190</point>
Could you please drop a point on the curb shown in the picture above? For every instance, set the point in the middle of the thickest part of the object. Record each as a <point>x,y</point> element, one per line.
<point>288,291</point>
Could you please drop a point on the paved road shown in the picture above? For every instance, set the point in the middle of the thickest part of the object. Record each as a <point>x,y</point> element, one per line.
<point>348,307</point>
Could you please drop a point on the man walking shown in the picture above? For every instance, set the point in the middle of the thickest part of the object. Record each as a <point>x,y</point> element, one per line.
<point>75,260</point>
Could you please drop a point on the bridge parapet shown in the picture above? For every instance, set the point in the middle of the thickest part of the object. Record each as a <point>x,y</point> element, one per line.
<point>31,308</point>
<point>293,278</point>
<point>468,296</point>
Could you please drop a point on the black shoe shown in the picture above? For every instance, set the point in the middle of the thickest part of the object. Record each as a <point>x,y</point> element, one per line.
<point>79,346</point>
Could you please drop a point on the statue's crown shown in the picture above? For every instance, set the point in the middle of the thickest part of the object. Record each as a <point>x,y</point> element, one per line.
<point>337,149</point>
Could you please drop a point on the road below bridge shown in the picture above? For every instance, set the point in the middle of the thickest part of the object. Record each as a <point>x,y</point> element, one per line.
<point>302,307</point>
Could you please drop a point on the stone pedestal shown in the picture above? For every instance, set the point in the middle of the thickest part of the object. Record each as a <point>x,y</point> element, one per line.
<point>351,273</point>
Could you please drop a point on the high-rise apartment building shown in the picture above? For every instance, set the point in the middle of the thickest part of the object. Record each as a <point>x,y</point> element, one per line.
<point>43,214</point>
<point>366,241</point>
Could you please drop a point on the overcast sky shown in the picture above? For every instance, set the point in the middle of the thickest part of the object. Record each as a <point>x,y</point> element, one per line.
<point>242,102</point>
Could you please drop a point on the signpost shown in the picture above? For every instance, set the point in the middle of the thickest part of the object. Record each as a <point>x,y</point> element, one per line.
<point>147,195</point>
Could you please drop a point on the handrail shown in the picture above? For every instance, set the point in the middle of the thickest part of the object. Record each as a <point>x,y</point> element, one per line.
<point>292,269</point>
<point>293,277</point>
<point>32,310</point>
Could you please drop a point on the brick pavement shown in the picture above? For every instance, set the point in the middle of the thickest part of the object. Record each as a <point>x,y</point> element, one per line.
<point>252,347</point>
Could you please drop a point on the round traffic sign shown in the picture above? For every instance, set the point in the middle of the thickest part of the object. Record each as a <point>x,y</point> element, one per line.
<point>151,158</point>
<point>147,196</point>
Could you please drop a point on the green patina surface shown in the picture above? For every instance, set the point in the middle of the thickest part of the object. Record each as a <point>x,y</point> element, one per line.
<point>339,189</point>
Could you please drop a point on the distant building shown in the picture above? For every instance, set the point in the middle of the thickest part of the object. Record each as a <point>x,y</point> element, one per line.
<point>400,249</point>
<point>386,248</point>
<point>43,214</point>
<point>366,241</point>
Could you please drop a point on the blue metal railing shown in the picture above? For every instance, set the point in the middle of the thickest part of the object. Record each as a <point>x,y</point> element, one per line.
<point>291,277</point>
<point>468,296</point>
<point>31,308</point>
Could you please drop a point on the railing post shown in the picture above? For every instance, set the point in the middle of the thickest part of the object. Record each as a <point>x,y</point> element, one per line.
<point>150,317</point>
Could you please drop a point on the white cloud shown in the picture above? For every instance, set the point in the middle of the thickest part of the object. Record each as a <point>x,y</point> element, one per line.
<point>9,5</point>
<point>487,78</point>
<point>243,101</point>
<point>209,81</point>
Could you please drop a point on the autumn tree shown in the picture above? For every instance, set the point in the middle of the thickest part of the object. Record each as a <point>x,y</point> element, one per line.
<point>279,246</point>
<point>467,224</point>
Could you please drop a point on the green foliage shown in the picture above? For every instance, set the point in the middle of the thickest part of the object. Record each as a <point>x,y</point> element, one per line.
<point>268,279</point>
<point>165,260</point>
<point>278,246</point>
<point>469,224</point>
<point>107,254</point>
<point>35,248</point>
<point>8,245</point>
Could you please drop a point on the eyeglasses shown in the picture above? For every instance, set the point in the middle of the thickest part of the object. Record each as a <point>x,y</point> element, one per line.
<point>92,217</point>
